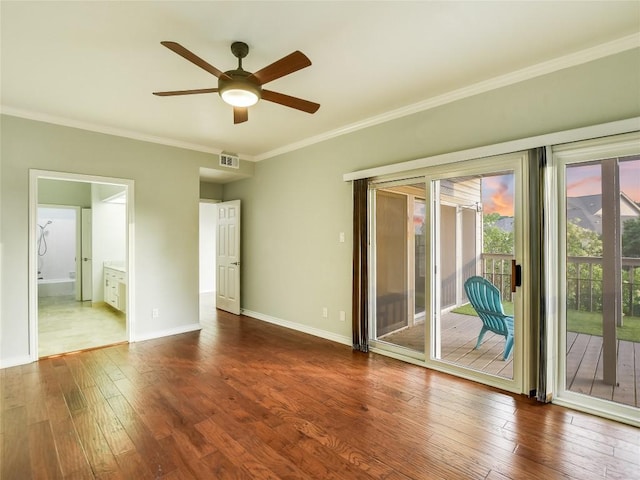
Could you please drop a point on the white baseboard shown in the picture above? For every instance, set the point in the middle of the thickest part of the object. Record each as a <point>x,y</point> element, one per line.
<point>334,337</point>
<point>166,333</point>
<point>14,362</point>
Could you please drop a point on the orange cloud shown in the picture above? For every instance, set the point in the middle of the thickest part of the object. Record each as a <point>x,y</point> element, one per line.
<point>584,186</point>
<point>497,195</point>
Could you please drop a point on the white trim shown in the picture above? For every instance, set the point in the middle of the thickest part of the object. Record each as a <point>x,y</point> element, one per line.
<point>567,136</point>
<point>316,332</point>
<point>613,47</point>
<point>584,403</point>
<point>584,56</point>
<point>15,361</point>
<point>194,327</point>
<point>107,130</point>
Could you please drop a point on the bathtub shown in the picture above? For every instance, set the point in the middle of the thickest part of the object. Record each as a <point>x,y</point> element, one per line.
<point>56,287</point>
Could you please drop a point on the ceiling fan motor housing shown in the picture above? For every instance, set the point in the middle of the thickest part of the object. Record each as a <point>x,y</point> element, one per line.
<point>239,81</point>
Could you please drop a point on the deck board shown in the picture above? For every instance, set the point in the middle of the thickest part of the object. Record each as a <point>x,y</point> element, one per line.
<point>583,363</point>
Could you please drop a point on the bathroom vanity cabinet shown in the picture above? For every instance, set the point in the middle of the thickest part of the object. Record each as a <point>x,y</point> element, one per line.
<point>115,287</point>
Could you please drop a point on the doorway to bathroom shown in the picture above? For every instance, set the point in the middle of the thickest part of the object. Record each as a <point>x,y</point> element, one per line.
<point>80,289</point>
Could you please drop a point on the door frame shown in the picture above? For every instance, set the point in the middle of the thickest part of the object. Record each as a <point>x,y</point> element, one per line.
<point>564,155</point>
<point>34,176</point>
<point>518,163</point>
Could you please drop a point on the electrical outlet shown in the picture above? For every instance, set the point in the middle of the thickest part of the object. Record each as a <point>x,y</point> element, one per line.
<point>325,312</point>
<point>155,313</point>
<point>341,237</point>
<point>343,316</point>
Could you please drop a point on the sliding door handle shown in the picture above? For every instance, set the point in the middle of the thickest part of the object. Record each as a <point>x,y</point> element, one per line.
<point>516,276</point>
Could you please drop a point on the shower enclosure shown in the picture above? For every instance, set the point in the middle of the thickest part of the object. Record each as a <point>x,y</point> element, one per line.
<point>56,247</point>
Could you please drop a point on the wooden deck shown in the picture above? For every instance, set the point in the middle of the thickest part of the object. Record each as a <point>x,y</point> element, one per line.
<point>584,357</point>
<point>584,369</point>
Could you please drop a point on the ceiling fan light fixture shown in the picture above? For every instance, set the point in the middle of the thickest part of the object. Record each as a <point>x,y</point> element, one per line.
<point>239,96</point>
<point>239,91</point>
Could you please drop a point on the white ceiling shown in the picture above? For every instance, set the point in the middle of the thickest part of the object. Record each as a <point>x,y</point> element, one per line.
<point>95,64</point>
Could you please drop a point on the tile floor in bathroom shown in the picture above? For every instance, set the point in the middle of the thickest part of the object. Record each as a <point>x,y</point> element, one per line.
<point>66,325</point>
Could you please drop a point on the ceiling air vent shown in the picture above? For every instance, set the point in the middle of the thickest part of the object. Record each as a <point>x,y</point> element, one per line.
<point>229,160</point>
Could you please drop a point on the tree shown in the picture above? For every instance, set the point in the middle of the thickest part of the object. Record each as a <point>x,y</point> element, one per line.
<point>495,239</point>
<point>582,242</point>
<point>631,238</point>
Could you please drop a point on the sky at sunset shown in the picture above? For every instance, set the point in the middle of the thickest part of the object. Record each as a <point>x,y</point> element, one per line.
<point>497,191</point>
<point>585,180</point>
<point>497,195</point>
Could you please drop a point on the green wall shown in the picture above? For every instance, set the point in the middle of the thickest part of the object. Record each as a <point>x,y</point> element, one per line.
<point>296,204</point>
<point>166,195</point>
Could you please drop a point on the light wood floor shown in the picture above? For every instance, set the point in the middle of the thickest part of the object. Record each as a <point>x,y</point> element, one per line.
<point>244,399</point>
<point>66,325</point>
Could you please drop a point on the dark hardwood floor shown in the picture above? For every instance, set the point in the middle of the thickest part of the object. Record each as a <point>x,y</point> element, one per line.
<point>243,399</point>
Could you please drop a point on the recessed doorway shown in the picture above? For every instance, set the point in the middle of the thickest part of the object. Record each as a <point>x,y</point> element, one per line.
<point>80,250</point>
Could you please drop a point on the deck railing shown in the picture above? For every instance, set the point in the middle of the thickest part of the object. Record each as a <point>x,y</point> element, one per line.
<point>584,281</point>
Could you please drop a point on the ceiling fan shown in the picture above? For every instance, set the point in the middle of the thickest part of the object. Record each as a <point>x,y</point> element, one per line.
<point>240,88</point>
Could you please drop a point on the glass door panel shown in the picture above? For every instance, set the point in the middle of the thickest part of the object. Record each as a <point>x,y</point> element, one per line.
<point>602,279</point>
<point>400,266</point>
<point>474,218</point>
<point>428,237</point>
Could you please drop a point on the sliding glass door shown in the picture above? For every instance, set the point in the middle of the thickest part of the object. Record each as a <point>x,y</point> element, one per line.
<point>476,246</point>
<point>433,236</point>
<point>599,236</point>
<point>400,266</point>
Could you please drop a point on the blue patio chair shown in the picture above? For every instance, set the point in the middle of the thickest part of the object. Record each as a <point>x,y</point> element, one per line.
<point>485,299</point>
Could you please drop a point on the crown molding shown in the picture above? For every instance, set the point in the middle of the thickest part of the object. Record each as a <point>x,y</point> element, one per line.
<point>118,132</point>
<point>578,58</point>
<point>583,56</point>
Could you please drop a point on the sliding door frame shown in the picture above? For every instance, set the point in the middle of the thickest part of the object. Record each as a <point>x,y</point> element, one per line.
<point>517,163</point>
<point>562,156</point>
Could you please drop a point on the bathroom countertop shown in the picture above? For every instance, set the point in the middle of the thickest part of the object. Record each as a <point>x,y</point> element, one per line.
<point>119,266</point>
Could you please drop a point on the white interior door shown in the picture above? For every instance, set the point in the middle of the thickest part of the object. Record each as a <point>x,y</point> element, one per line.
<point>86,256</point>
<point>228,257</point>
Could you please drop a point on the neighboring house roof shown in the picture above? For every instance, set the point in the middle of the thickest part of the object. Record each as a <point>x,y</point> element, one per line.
<point>586,211</point>
<point>505,223</point>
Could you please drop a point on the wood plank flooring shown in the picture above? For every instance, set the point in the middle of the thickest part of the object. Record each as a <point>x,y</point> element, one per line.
<point>243,399</point>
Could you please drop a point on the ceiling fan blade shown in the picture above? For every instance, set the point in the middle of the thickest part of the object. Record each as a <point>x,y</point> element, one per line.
<point>185,92</point>
<point>291,63</point>
<point>288,101</point>
<point>240,114</point>
<point>196,60</point>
